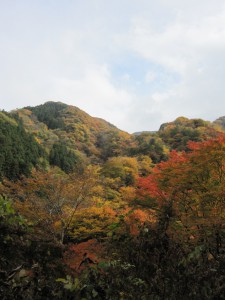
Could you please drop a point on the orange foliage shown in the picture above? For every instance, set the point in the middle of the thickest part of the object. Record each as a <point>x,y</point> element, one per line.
<point>137,219</point>
<point>192,184</point>
<point>127,193</point>
<point>50,199</point>
<point>80,256</point>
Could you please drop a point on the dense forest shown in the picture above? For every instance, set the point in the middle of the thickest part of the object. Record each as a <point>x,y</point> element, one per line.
<point>88,211</point>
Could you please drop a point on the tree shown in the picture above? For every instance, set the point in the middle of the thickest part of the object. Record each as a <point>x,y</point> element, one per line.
<point>189,189</point>
<point>63,158</point>
<point>151,145</point>
<point>123,168</point>
<point>49,113</point>
<point>49,200</point>
<point>177,134</point>
<point>20,152</point>
<point>113,143</point>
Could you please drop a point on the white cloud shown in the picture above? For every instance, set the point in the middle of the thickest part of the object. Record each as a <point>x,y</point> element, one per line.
<point>95,94</point>
<point>193,50</point>
<point>150,76</point>
<point>68,52</point>
<point>180,45</point>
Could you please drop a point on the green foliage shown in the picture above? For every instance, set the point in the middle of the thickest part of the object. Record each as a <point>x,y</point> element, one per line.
<point>220,122</point>
<point>63,158</point>
<point>49,113</point>
<point>112,143</point>
<point>4,116</point>
<point>177,134</point>
<point>162,240</point>
<point>123,168</point>
<point>8,216</point>
<point>151,145</point>
<point>107,280</point>
<point>19,150</point>
<point>93,137</point>
<point>69,283</point>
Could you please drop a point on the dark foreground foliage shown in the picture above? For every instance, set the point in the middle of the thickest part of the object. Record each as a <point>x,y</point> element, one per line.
<point>147,266</point>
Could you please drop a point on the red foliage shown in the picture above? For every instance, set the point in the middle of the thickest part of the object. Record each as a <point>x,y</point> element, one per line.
<point>80,256</point>
<point>154,185</point>
<point>192,184</point>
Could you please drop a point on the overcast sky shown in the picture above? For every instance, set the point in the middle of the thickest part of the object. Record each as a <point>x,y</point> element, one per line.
<point>135,63</point>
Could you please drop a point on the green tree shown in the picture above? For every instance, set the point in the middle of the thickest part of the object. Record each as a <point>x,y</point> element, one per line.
<point>63,158</point>
<point>123,168</point>
<point>19,150</point>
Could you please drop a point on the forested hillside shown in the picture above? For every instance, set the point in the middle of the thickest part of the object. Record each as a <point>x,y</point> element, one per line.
<point>88,211</point>
<point>220,123</point>
<point>20,152</point>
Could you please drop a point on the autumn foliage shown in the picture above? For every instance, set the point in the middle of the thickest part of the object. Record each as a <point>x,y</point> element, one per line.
<point>115,216</point>
<point>83,255</point>
<point>192,187</point>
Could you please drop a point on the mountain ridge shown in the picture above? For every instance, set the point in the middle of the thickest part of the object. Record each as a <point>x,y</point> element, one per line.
<point>71,133</point>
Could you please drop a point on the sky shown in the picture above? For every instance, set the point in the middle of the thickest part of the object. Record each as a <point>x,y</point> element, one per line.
<point>134,63</point>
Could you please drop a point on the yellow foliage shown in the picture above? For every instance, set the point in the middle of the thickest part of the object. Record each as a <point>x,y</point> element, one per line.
<point>92,222</point>
<point>127,193</point>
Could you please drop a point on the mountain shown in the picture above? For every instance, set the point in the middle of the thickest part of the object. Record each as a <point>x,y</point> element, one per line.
<point>66,235</point>
<point>176,134</point>
<point>71,138</point>
<point>20,152</point>
<point>220,122</point>
<point>87,137</point>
